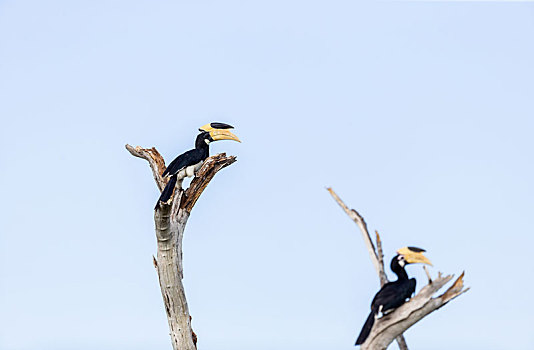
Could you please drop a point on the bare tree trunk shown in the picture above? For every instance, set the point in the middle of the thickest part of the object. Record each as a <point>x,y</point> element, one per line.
<point>391,326</point>
<point>170,220</point>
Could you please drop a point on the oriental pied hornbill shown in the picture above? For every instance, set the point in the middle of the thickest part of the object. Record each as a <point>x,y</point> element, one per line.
<point>394,294</point>
<point>186,164</point>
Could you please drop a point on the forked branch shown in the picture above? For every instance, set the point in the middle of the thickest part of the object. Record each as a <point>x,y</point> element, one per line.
<point>389,326</point>
<point>392,325</point>
<point>170,220</point>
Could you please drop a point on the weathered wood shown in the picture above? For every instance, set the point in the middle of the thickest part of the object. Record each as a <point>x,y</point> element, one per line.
<point>394,324</point>
<point>157,164</point>
<point>208,170</point>
<point>386,328</point>
<point>380,255</point>
<point>358,219</point>
<point>170,221</point>
<point>170,275</point>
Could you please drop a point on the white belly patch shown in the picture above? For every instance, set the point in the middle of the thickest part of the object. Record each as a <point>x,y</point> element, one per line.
<point>189,171</point>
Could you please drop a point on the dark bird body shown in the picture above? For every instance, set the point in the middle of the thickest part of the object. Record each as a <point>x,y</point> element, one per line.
<point>191,158</point>
<point>186,164</point>
<point>393,294</point>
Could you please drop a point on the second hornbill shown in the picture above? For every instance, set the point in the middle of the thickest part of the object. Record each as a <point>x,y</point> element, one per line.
<point>186,164</point>
<point>394,294</point>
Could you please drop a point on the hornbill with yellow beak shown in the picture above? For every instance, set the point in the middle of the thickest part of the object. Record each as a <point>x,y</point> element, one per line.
<point>394,294</point>
<point>186,164</point>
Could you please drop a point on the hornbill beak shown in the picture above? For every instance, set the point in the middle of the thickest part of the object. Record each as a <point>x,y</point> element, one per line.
<point>219,131</point>
<point>413,255</point>
<point>223,135</point>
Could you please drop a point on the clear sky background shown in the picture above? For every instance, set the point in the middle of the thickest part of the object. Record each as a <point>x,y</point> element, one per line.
<point>419,114</point>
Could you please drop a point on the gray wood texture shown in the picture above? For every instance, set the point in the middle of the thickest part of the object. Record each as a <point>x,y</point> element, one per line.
<point>170,221</point>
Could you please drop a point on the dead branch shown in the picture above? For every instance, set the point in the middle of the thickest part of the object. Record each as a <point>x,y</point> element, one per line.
<point>358,219</point>
<point>170,220</point>
<point>208,170</point>
<point>394,324</point>
<point>389,326</point>
<point>157,164</point>
<point>377,258</point>
<point>380,255</point>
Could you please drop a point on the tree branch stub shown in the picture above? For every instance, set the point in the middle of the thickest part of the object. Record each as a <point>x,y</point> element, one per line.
<point>380,255</point>
<point>157,164</point>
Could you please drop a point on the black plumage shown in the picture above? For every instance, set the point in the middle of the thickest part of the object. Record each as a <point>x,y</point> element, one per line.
<point>390,296</point>
<point>168,190</point>
<point>191,157</point>
<point>184,160</point>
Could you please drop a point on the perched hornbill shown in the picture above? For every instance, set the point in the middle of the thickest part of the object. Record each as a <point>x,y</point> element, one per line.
<point>394,294</point>
<point>188,163</point>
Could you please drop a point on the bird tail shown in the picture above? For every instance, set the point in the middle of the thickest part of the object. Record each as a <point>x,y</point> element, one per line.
<point>167,191</point>
<point>364,333</point>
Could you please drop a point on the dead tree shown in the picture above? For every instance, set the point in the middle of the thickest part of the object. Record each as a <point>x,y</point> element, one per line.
<point>391,326</point>
<point>170,219</point>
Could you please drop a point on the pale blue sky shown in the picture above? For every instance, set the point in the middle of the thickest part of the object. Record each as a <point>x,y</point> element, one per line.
<point>419,114</point>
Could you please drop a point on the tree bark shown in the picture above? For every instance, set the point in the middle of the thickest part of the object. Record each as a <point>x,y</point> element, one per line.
<point>170,221</point>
